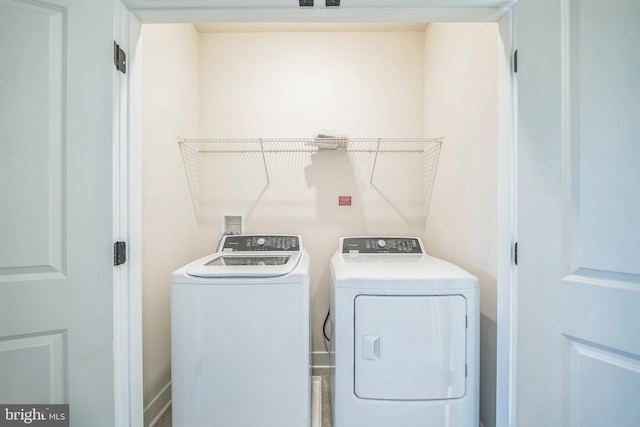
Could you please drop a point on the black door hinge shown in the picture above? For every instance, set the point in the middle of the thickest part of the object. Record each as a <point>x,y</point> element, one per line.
<point>119,58</point>
<point>515,253</point>
<point>119,253</point>
<point>515,61</point>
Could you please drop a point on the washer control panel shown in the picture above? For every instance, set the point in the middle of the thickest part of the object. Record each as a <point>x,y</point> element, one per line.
<point>381,245</point>
<point>266,243</point>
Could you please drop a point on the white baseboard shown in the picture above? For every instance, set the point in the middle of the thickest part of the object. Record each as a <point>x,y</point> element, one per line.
<point>316,401</point>
<point>158,406</point>
<point>321,359</point>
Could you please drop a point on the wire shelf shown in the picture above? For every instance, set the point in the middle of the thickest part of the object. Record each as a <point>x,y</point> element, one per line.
<point>194,149</point>
<point>277,145</point>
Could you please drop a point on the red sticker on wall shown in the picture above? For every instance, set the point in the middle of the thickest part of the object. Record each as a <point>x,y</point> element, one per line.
<point>344,200</point>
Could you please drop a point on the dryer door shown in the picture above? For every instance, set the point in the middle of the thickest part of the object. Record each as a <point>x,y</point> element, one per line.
<point>410,347</point>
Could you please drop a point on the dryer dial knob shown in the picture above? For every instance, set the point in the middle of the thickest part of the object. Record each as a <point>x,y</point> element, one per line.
<point>382,243</point>
<point>261,241</point>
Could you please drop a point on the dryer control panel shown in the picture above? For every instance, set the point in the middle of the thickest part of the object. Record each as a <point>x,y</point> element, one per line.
<point>381,245</point>
<point>266,243</point>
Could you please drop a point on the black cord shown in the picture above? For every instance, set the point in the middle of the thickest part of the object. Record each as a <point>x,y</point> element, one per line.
<point>324,326</point>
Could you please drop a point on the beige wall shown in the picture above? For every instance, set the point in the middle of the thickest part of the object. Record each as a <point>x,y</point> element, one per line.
<point>293,84</point>
<point>442,82</point>
<point>274,85</point>
<point>461,103</point>
<point>169,234</point>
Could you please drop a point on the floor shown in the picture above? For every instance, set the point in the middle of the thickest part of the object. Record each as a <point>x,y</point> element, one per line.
<point>327,413</point>
<point>165,419</point>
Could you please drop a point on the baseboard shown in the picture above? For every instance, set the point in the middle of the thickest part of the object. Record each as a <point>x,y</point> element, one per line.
<point>316,401</point>
<point>158,406</point>
<point>321,359</point>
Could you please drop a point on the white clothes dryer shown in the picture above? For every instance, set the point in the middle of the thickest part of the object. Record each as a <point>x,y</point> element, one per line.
<point>240,345</point>
<point>405,336</point>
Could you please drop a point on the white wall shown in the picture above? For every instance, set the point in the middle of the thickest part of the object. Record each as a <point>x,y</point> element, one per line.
<point>169,233</point>
<point>461,103</point>
<point>271,85</point>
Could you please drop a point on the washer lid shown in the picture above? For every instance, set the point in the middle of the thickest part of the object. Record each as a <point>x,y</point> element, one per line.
<point>244,265</point>
<point>250,256</point>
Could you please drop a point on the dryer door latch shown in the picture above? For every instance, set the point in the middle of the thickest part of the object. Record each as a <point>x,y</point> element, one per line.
<point>371,347</point>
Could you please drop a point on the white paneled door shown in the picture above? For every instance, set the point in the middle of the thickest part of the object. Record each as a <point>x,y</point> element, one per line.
<point>578,329</point>
<point>56,199</point>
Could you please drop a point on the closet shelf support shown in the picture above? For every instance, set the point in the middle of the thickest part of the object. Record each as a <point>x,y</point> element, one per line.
<point>264,161</point>
<point>375,162</point>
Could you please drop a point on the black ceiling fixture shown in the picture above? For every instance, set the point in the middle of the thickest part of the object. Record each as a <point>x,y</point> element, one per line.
<point>306,3</point>
<point>332,3</point>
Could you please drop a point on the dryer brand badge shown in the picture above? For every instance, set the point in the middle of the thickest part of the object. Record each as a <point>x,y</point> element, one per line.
<point>34,415</point>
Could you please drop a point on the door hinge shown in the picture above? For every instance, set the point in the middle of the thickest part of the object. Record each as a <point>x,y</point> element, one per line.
<point>119,58</point>
<point>466,371</point>
<point>119,253</point>
<point>515,253</point>
<point>466,322</point>
<point>515,61</point>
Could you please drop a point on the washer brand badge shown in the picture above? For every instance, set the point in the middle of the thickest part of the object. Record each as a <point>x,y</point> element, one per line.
<point>34,415</point>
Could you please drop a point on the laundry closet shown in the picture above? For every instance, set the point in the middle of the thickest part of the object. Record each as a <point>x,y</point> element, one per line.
<point>250,84</point>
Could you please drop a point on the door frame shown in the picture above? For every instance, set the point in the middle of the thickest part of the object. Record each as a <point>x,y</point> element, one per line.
<point>507,227</point>
<point>127,178</point>
<point>127,289</point>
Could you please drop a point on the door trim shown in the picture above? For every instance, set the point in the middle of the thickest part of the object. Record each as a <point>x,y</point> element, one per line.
<point>129,358</point>
<point>127,292</point>
<point>507,226</point>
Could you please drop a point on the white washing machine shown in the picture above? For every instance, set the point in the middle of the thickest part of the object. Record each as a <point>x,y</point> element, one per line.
<point>405,336</point>
<point>240,346</point>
